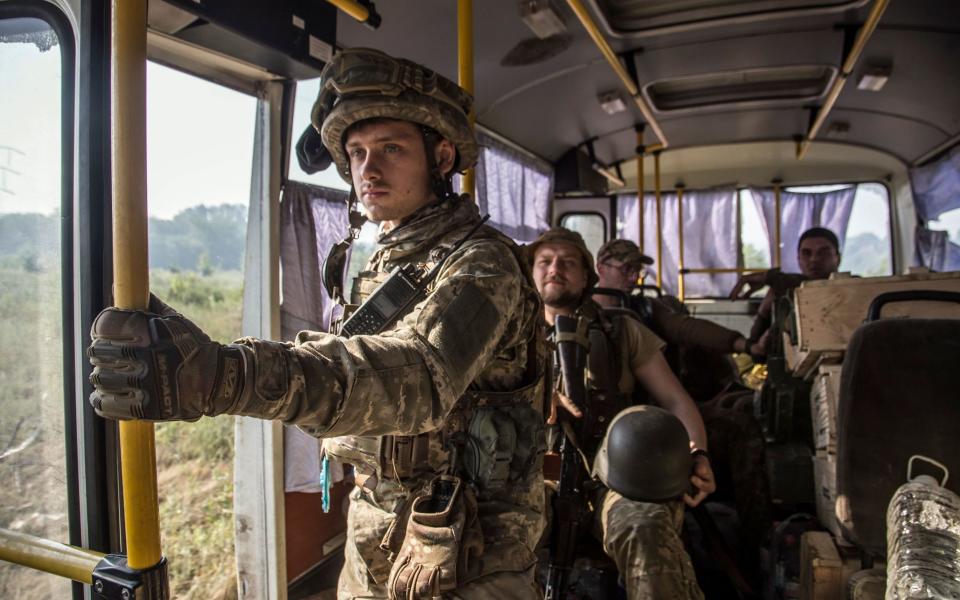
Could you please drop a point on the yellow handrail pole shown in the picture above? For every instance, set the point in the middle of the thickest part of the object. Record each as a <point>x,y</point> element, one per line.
<point>776,230</point>
<point>640,183</point>
<point>723,270</point>
<point>465,74</point>
<point>130,276</point>
<point>49,556</point>
<point>362,13</point>
<point>353,8</point>
<point>680,272</point>
<point>866,30</point>
<point>656,190</point>
<point>580,10</point>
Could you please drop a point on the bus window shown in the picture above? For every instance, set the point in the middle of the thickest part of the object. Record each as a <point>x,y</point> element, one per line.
<point>200,148</point>
<point>303,104</point>
<point>592,226</point>
<point>867,250</point>
<point>866,247</point>
<point>949,222</point>
<point>753,236</point>
<point>33,496</point>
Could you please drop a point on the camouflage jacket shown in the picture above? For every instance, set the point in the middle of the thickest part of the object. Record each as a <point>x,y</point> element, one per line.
<point>471,345</point>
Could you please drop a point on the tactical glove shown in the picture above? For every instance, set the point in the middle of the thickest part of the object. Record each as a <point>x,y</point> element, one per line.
<point>158,366</point>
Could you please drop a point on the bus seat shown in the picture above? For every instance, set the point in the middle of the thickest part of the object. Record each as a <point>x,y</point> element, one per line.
<point>898,397</point>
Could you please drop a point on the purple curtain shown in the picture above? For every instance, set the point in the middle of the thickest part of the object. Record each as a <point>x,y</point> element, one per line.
<point>936,251</point>
<point>515,189</point>
<point>798,213</point>
<point>312,220</point>
<point>936,186</point>
<point>709,237</point>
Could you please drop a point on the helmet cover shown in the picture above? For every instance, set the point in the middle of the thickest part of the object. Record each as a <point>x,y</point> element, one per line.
<point>362,83</point>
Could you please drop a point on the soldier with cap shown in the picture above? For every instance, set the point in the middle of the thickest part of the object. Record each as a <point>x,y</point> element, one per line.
<point>619,265</point>
<point>441,409</point>
<point>640,528</point>
<point>735,438</point>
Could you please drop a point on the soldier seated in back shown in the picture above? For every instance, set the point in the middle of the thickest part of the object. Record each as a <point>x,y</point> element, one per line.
<point>641,536</point>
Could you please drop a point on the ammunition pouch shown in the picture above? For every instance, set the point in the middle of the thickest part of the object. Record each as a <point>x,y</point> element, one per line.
<point>397,457</point>
<point>440,536</point>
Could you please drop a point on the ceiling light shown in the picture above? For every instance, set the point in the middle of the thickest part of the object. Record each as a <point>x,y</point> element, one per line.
<point>541,18</point>
<point>873,79</point>
<point>612,103</point>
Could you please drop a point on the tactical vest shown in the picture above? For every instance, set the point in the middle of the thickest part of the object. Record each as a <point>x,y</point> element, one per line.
<point>490,436</point>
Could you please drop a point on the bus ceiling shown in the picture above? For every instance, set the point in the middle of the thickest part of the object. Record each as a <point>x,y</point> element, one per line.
<point>556,75</point>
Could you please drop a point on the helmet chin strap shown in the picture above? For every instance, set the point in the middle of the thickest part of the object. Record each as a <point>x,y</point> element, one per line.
<point>442,186</point>
<point>336,261</point>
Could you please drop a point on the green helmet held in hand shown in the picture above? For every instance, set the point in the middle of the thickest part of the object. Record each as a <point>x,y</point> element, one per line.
<point>645,455</point>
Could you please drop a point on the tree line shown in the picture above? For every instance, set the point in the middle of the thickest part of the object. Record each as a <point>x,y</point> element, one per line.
<point>200,238</point>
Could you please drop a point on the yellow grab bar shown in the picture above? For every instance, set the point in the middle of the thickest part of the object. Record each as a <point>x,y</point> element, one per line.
<point>48,556</point>
<point>465,74</point>
<point>130,272</point>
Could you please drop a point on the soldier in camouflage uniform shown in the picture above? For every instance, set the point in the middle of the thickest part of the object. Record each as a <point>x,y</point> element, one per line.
<point>737,446</point>
<point>643,538</point>
<point>442,409</point>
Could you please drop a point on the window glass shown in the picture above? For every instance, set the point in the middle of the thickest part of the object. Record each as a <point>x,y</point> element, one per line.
<point>867,250</point>
<point>32,452</point>
<point>303,104</point>
<point>200,148</point>
<point>592,226</point>
<point>361,250</point>
<point>949,222</point>
<point>753,235</point>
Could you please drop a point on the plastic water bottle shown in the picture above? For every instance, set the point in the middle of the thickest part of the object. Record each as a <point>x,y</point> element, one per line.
<point>923,539</point>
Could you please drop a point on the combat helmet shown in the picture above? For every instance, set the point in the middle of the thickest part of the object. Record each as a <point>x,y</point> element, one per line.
<point>645,455</point>
<point>362,83</point>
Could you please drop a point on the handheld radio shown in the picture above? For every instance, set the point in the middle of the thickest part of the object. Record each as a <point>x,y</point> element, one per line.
<point>392,298</point>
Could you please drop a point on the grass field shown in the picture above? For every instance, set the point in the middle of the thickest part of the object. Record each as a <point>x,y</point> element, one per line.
<point>194,460</point>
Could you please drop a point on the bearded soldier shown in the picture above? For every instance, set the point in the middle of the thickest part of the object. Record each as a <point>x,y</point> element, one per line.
<point>439,412</point>
<point>641,513</point>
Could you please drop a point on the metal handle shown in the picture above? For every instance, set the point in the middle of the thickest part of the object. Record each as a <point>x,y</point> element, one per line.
<point>873,313</point>
<point>927,459</point>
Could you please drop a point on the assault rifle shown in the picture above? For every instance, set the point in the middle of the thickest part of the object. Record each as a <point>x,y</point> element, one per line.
<point>571,512</point>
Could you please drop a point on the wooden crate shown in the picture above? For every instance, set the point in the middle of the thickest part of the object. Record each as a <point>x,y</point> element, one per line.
<point>825,476</point>
<point>821,567</point>
<point>829,311</point>
<point>824,396</point>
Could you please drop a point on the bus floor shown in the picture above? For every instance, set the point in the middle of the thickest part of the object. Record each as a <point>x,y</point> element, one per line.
<point>320,583</point>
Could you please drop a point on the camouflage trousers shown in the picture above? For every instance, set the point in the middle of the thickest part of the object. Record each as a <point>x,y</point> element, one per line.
<point>367,523</point>
<point>643,538</point>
